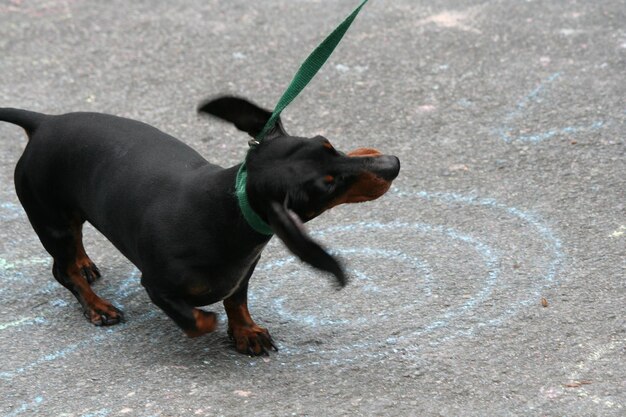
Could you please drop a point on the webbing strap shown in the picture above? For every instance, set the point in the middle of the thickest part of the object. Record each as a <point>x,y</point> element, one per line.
<point>305,74</point>
<point>310,67</point>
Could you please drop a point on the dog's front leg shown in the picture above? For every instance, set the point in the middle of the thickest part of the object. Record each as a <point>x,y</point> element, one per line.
<point>193,321</point>
<point>249,338</point>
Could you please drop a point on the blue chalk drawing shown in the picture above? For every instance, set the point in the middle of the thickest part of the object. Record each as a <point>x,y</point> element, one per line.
<point>102,335</point>
<point>37,401</point>
<point>12,271</point>
<point>441,324</point>
<point>535,96</point>
<point>366,283</point>
<point>24,321</point>
<point>123,291</point>
<point>424,271</point>
<point>127,287</point>
<point>103,412</point>
<point>552,246</point>
<point>62,353</point>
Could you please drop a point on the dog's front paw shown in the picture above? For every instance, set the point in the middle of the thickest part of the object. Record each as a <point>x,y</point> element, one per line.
<point>252,340</point>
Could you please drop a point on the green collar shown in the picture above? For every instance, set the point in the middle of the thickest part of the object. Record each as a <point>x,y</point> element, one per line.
<point>254,220</point>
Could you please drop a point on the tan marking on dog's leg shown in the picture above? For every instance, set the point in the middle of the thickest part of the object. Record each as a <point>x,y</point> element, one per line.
<point>248,336</point>
<point>206,322</point>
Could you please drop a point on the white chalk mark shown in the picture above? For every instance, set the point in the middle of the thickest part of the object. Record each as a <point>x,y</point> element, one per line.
<point>619,232</point>
<point>22,321</point>
<point>454,19</point>
<point>342,68</point>
<point>582,390</point>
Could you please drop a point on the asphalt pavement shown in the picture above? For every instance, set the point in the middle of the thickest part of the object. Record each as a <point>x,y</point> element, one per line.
<point>490,281</point>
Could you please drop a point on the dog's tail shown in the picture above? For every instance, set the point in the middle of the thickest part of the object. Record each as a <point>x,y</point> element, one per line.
<point>29,120</point>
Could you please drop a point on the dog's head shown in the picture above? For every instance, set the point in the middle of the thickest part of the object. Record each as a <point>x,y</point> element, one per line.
<point>292,180</point>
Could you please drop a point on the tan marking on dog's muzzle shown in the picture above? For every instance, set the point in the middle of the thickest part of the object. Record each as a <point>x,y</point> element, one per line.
<point>367,187</point>
<point>365,152</point>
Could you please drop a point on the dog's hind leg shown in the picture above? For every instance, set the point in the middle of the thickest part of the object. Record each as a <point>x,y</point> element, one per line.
<point>60,234</point>
<point>73,269</point>
<point>87,268</point>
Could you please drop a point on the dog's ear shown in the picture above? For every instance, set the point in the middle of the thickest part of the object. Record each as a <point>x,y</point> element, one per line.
<point>289,228</point>
<point>246,116</point>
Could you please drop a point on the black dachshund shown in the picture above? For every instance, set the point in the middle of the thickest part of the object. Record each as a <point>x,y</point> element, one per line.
<point>176,216</point>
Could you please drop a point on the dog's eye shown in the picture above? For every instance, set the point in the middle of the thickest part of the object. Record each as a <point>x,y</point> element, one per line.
<point>329,180</point>
<point>329,147</point>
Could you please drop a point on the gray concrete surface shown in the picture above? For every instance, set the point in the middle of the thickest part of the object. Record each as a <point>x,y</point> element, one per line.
<point>508,117</point>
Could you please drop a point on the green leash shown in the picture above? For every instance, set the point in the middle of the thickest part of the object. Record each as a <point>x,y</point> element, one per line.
<point>305,74</point>
<point>309,68</point>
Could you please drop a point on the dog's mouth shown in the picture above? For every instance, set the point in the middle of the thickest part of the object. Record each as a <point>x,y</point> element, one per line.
<point>374,180</point>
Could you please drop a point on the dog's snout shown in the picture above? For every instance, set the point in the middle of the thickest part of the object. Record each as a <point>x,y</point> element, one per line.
<point>388,167</point>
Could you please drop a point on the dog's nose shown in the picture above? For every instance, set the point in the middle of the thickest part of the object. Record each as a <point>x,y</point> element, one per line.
<point>388,167</point>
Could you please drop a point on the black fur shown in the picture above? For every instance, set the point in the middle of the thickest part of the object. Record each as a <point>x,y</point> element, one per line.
<point>175,215</point>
